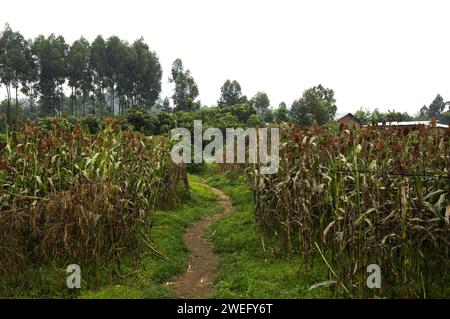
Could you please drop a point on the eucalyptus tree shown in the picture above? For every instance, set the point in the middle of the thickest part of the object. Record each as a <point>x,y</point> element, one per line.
<point>281,113</point>
<point>43,67</point>
<point>14,67</point>
<point>97,61</point>
<point>30,78</point>
<point>128,71</point>
<point>50,55</point>
<point>62,49</point>
<point>79,73</point>
<point>436,107</point>
<point>115,57</point>
<point>231,94</point>
<point>6,73</point>
<point>261,102</point>
<point>186,90</point>
<point>437,110</point>
<point>147,78</point>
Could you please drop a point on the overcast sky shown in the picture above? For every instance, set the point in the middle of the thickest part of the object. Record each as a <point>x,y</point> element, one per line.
<point>382,54</point>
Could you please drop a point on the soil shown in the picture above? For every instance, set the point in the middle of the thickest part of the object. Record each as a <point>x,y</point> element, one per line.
<point>198,280</point>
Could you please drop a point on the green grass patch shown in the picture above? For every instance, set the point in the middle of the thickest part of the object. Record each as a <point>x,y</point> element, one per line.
<point>246,270</point>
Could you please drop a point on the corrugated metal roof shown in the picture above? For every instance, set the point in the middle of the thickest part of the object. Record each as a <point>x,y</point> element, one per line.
<point>412,123</point>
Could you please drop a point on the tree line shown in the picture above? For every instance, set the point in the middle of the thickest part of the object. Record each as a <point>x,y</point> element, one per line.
<point>438,109</point>
<point>108,76</point>
<point>106,70</point>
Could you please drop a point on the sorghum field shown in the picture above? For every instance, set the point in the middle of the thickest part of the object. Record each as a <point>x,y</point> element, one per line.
<point>342,199</point>
<point>221,159</point>
<point>354,198</point>
<point>68,196</point>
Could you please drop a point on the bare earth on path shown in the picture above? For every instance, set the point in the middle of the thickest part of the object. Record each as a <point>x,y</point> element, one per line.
<point>198,280</point>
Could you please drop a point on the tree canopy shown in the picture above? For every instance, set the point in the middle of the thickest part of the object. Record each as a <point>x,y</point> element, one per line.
<point>231,94</point>
<point>260,102</point>
<point>281,113</point>
<point>438,109</point>
<point>109,76</point>
<point>186,90</point>
<point>316,105</point>
<point>95,73</point>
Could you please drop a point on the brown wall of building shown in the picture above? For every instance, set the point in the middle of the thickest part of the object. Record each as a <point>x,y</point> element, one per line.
<point>349,121</point>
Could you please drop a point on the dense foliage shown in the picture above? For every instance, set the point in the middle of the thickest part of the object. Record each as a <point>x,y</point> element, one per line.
<point>317,105</point>
<point>156,123</point>
<point>95,73</point>
<point>186,90</point>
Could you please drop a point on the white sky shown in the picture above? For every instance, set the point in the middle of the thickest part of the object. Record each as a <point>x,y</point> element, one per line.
<point>379,53</point>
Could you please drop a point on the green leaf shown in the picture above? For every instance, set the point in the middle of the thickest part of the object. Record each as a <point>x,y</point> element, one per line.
<point>373,166</point>
<point>327,283</point>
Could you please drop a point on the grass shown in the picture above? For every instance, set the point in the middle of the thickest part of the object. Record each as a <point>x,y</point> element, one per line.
<point>245,269</point>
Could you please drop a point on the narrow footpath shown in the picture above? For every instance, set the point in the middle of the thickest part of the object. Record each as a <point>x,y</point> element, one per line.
<point>198,280</point>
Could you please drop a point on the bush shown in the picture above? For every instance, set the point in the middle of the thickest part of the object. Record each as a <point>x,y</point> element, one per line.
<point>90,124</point>
<point>143,121</point>
<point>157,123</point>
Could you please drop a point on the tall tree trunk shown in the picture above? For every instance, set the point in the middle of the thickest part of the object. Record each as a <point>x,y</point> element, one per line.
<point>113,99</point>
<point>8,105</point>
<point>94,107</point>
<point>101,103</point>
<point>31,98</point>
<point>17,107</point>
<point>61,107</point>
<point>71,103</point>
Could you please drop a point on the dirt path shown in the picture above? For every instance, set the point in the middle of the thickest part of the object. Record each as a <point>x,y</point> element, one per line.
<point>198,280</point>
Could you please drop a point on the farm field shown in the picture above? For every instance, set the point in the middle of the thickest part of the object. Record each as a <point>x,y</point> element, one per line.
<point>225,158</point>
<point>58,208</point>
